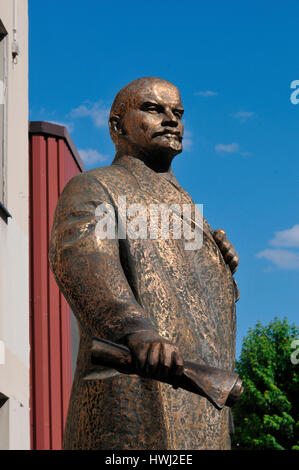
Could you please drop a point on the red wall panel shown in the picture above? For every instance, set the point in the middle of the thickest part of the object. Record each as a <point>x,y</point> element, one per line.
<point>54,306</point>
<point>53,162</point>
<point>39,286</point>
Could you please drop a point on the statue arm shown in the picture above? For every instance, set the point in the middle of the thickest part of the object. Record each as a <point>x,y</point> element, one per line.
<point>88,270</point>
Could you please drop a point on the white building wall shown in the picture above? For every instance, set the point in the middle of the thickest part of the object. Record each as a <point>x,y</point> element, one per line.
<point>14,243</point>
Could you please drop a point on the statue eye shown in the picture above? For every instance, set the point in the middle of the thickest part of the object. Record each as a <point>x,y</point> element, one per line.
<point>178,113</point>
<point>152,108</point>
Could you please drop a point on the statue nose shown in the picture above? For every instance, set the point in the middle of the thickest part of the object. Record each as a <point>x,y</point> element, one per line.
<point>170,119</point>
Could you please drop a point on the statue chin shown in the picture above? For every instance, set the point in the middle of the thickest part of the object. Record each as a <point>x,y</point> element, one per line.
<point>169,146</point>
<point>168,141</point>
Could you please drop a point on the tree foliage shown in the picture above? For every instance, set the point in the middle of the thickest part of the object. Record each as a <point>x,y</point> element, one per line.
<point>267,414</point>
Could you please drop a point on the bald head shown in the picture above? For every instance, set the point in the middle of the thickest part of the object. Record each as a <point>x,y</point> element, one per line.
<point>146,117</point>
<point>129,93</point>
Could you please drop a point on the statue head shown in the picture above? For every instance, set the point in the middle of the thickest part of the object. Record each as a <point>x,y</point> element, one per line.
<point>146,119</point>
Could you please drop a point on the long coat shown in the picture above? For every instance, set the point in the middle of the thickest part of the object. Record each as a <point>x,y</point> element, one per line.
<point>119,286</point>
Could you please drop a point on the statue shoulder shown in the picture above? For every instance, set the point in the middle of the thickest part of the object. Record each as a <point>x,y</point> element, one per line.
<point>96,179</point>
<point>114,179</point>
<point>108,174</point>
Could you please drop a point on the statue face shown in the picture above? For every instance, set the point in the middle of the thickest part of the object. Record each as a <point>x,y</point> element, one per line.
<point>153,121</point>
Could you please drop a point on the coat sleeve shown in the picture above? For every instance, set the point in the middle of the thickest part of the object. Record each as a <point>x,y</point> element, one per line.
<point>87,269</point>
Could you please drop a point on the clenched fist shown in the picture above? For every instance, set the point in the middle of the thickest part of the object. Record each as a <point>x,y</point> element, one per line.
<point>228,251</point>
<point>154,356</point>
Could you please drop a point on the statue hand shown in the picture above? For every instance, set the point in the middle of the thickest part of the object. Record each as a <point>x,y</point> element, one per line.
<point>228,251</point>
<point>154,356</point>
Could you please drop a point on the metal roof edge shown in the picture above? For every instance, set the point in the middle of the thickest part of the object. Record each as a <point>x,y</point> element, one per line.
<point>56,130</point>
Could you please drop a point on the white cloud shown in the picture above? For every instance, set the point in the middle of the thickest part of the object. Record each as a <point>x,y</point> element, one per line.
<point>187,140</point>
<point>287,238</point>
<point>206,93</point>
<point>96,111</point>
<point>242,115</point>
<point>227,148</point>
<point>92,157</point>
<point>283,259</point>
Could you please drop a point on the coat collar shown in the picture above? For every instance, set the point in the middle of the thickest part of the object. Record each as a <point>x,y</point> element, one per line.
<point>158,187</point>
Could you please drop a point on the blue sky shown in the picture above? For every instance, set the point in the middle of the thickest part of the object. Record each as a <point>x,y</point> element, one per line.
<point>233,62</point>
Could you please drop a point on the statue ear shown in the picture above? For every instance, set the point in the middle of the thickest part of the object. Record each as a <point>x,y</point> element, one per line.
<point>115,125</point>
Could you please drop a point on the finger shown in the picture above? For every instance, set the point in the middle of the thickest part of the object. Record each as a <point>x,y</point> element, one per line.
<point>160,372</point>
<point>177,363</point>
<point>141,358</point>
<point>153,356</point>
<point>177,368</point>
<point>219,235</point>
<point>224,246</point>
<point>234,264</point>
<point>229,255</point>
<point>165,359</point>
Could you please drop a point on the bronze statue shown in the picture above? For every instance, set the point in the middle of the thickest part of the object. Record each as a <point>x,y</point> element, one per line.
<point>162,302</point>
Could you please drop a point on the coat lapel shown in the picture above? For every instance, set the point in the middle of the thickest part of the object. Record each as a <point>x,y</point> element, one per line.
<point>155,185</point>
<point>160,189</point>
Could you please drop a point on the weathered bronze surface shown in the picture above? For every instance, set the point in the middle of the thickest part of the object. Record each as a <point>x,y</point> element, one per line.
<point>219,387</point>
<point>163,302</point>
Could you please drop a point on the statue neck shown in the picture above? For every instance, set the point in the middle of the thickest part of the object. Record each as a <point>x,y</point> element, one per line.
<point>158,163</point>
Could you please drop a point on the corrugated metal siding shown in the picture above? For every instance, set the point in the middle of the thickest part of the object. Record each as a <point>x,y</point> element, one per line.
<point>52,165</point>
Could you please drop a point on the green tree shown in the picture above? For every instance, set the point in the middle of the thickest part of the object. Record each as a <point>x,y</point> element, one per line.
<point>267,414</point>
